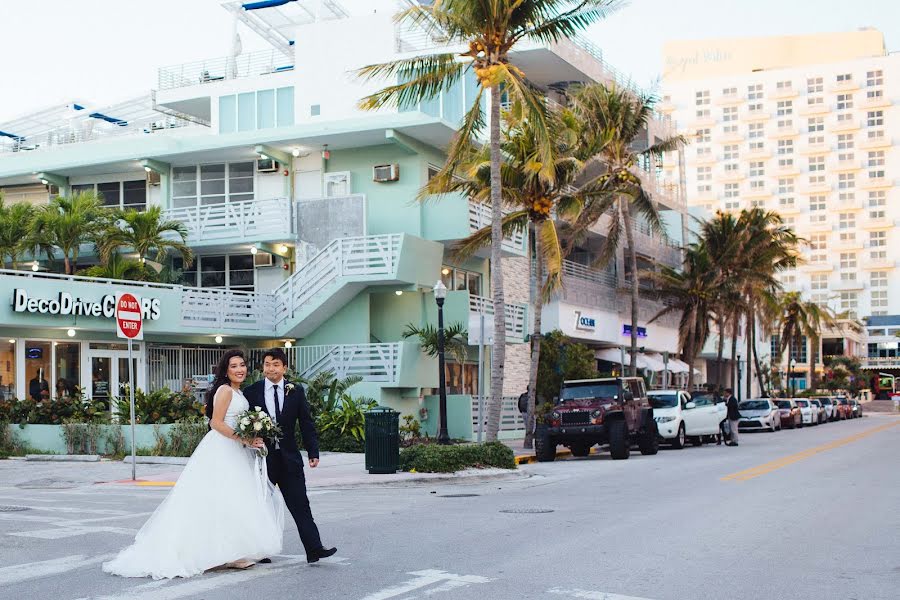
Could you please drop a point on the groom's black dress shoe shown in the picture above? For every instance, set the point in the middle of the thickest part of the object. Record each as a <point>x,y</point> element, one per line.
<point>265,561</point>
<point>315,555</point>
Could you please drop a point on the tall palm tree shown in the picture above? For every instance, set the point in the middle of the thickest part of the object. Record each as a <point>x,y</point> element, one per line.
<point>117,266</point>
<point>15,229</point>
<point>146,233</point>
<point>489,30</point>
<point>533,201</point>
<point>690,292</point>
<point>614,120</point>
<point>67,223</point>
<point>800,318</point>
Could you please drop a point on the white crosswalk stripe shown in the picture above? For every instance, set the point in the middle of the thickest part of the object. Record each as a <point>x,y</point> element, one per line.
<point>589,595</point>
<point>46,568</point>
<point>424,579</point>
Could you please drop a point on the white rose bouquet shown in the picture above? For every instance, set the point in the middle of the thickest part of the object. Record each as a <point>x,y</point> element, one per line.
<point>257,424</point>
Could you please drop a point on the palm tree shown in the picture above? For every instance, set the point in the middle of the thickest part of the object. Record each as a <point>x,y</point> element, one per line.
<point>148,234</point>
<point>614,120</point>
<point>800,318</point>
<point>15,227</point>
<point>690,292</point>
<point>117,266</point>
<point>67,223</point>
<point>455,336</point>
<point>533,201</point>
<point>489,31</point>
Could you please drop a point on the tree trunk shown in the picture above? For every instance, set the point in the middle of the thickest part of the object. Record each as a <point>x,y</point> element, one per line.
<point>537,301</point>
<point>720,367</point>
<point>813,357</point>
<point>759,378</point>
<point>688,354</point>
<point>498,348</point>
<point>751,325</point>
<point>67,264</point>
<point>625,215</point>
<point>735,329</point>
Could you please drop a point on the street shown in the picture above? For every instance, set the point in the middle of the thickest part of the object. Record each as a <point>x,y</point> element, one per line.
<point>806,514</point>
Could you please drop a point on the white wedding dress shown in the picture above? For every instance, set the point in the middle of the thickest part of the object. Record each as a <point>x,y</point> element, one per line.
<point>222,509</point>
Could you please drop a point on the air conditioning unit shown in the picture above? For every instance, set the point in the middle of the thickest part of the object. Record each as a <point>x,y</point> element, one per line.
<point>152,178</point>
<point>337,184</point>
<point>266,165</point>
<point>262,259</point>
<point>53,189</point>
<point>383,173</point>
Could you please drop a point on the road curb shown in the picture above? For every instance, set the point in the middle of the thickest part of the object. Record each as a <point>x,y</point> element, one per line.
<point>63,457</point>
<point>158,460</point>
<point>527,459</point>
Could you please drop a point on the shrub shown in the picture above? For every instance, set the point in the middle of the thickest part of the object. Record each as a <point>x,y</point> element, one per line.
<point>82,438</point>
<point>181,440</point>
<point>159,407</point>
<point>332,441</point>
<point>54,412</point>
<point>9,443</point>
<point>562,360</point>
<point>434,458</point>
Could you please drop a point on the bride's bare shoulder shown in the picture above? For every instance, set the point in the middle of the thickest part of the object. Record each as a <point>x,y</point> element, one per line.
<point>225,392</point>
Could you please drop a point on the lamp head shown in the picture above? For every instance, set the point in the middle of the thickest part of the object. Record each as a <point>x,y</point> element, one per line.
<point>440,290</point>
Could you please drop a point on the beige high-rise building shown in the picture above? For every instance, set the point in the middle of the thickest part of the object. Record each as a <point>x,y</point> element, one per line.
<point>809,126</point>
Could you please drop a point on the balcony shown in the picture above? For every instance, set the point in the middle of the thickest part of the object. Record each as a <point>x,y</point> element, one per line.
<point>789,209</point>
<point>847,245</point>
<point>818,108</point>
<point>701,122</point>
<point>733,137</point>
<point>874,183</point>
<point>729,99</point>
<point>815,188</point>
<point>817,267</point>
<point>516,316</point>
<point>872,102</point>
<point>665,106</point>
<point>817,227</point>
<point>876,141</point>
<point>758,193</point>
<point>586,286</point>
<point>846,165</point>
<point>480,217</point>
<point>372,362</point>
<point>759,153</point>
<point>786,171</point>
<point>815,149</point>
<point>732,176</point>
<point>848,85</point>
<point>846,125</point>
<point>755,115</point>
<point>877,223</point>
<point>881,362</point>
<point>233,222</point>
<point>847,286</point>
<point>251,64</point>
<point>847,205</point>
<point>785,132</point>
<point>783,93</point>
<point>878,263</point>
<point>704,159</point>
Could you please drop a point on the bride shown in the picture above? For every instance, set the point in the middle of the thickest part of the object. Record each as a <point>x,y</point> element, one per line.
<point>222,510</point>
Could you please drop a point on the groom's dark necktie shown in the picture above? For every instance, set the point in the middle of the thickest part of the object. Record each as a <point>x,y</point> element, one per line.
<point>277,404</point>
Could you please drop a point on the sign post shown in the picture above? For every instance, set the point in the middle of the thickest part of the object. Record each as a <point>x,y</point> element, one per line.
<point>129,326</point>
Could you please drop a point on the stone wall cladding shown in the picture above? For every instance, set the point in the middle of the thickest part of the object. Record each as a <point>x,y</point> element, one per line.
<point>516,283</point>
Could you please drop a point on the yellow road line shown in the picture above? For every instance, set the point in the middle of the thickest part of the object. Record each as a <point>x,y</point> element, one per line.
<point>155,483</point>
<point>779,463</point>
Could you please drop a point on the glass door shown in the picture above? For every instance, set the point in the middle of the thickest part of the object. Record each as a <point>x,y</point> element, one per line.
<point>102,379</point>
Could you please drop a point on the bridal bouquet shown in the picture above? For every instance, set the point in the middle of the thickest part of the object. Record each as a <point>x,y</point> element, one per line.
<point>257,424</point>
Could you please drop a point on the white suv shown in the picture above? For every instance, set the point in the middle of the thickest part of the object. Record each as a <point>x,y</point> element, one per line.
<point>679,418</point>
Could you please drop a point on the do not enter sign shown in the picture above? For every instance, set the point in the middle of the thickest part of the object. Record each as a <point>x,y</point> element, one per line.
<point>128,316</point>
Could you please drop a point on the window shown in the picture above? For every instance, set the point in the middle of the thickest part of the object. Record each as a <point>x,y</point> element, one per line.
<point>732,190</point>
<point>785,107</point>
<point>755,130</point>
<point>8,370</point>
<point>730,129</point>
<point>878,279</point>
<point>459,279</point>
<point>817,212</point>
<point>818,246</point>
<point>730,152</point>
<point>757,169</point>
<point>37,369</point>
<point>844,117</point>
<point>877,204</point>
<point>848,277</point>
<point>815,124</point>
<point>879,302</point>
<point>818,281</point>
<point>815,101</point>
<point>874,94</point>
<point>701,98</point>
<point>875,118</point>
<point>816,163</point>
<point>704,136</point>
<point>755,107</point>
<point>814,85</point>
<point>816,140</point>
<point>846,181</point>
<point>262,109</point>
<point>785,163</point>
<point>783,86</point>
<point>848,261</point>
<point>218,183</point>
<point>755,92</point>
<point>118,194</point>
<point>757,185</point>
<point>877,239</point>
<point>845,147</point>
<point>729,113</point>
<point>849,303</point>
<point>704,151</point>
<point>844,101</point>
<point>703,114</point>
<point>232,272</point>
<point>874,78</point>
<point>731,91</point>
<point>798,349</point>
<point>785,147</point>
<point>785,186</point>
<point>785,124</point>
<point>732,167</point>
<point>875,163</point>
<point>844,77</point>
<point>704,188</point>
<point>67,357</point>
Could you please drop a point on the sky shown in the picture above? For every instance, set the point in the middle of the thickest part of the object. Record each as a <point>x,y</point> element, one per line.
<point>105,51</point>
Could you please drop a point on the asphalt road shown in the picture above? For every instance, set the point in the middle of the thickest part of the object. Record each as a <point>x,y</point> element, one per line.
<point>807,514</point>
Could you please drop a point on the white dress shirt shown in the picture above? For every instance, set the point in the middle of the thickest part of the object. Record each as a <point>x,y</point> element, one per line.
<point>270,399</point>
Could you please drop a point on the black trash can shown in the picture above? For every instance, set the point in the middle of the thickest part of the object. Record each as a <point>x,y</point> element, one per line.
<point>382,440</point>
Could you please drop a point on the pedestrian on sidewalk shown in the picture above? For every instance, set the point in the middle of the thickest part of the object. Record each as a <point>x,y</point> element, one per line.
<point>734,416</point>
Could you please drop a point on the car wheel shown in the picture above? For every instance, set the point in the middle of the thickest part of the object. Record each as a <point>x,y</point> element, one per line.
<point>649,443</point>
<point>680,438</point>
<point>619,444</point>
<point>544,448</point>
<point>580,450</point>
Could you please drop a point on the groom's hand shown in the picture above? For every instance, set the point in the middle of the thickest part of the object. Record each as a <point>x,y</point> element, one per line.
<point>313,463</point>
<point>258,443</point>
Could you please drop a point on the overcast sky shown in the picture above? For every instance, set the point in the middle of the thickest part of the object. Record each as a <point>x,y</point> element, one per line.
<point>104,51</point>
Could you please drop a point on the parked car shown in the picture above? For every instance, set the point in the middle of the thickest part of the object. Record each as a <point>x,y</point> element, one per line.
<point>809,412</point>
<point>679,417</point>
<point>608,410</point>
<point>791,416</point>
<point>831,411</point>
<point>843,406</point>
<point>759,413</point>
<point>856,408</point>
<point>820,410</point>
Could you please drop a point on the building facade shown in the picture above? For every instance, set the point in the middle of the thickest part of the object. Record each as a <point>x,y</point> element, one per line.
<point>301,210</point>
<point>807,126</point>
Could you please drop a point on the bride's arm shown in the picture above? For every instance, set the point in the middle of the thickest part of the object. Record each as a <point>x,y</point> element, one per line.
<point>221,401</point>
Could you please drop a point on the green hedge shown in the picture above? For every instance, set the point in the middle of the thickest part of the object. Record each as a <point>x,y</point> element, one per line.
<point>433,458</point>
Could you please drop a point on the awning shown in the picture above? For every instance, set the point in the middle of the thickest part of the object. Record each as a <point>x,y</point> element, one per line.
<point>612,355</point>
<point>674,365</point>
<point>644,361</point>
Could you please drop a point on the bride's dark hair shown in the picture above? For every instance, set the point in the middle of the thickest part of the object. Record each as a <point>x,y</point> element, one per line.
<point>220,378</point>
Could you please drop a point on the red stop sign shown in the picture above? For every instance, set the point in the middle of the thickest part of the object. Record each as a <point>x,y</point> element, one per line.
<point>128,316</point>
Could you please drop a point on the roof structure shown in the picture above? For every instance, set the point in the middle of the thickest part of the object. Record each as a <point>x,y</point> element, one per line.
<point>275,20</point>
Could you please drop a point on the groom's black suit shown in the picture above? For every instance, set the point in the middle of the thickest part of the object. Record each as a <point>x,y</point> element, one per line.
<point>285,465</point>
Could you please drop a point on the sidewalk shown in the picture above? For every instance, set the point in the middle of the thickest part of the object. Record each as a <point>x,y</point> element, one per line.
<point>525,456</point>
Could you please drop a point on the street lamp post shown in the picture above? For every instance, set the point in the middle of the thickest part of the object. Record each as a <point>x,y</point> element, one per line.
<point>440,293</point>
<point>790,377</point>
<point>738,383</point>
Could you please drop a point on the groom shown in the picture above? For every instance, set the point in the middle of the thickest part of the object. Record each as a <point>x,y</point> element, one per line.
<point>286,402</point>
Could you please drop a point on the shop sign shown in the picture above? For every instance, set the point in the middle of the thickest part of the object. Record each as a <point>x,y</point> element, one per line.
<point>642,331</point>
<point>66,304</point>
<point>585,322</point>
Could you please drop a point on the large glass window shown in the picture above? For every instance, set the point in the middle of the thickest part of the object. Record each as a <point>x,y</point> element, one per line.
<point>184,186</point>
<point>110,193</point>
<point>460,279</point>
<point>261,109</point>
<point>37,369</point>
<point>222,182</point>
<point>8,370</point>
<point>68,364</point>
<point>134,194</point>
<point>234,272</point>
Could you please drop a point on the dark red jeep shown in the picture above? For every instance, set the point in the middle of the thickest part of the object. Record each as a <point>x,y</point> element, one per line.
<point>612,410</point>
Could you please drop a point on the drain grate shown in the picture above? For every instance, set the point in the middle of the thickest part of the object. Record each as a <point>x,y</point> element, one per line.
<point>459,496</point>
<point>526,511</point>
<point>8,508</point>
<point>47,484</point>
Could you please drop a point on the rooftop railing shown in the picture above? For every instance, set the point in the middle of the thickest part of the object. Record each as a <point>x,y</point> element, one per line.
<point>263,62</point>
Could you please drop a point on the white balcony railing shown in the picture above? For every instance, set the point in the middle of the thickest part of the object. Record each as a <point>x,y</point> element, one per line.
<point>881,362</point>
<point>345,257</point>
<point>511,420</point>
<point>218,310</point>
<point>605,277</point>
<point>372,362</point>
<point>236,221</point>
<point>516,314</point>
<point>480,217</point>
<point>211,70</point>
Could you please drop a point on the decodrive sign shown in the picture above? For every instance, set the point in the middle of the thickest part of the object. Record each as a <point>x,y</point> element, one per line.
<point>65,304</point>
